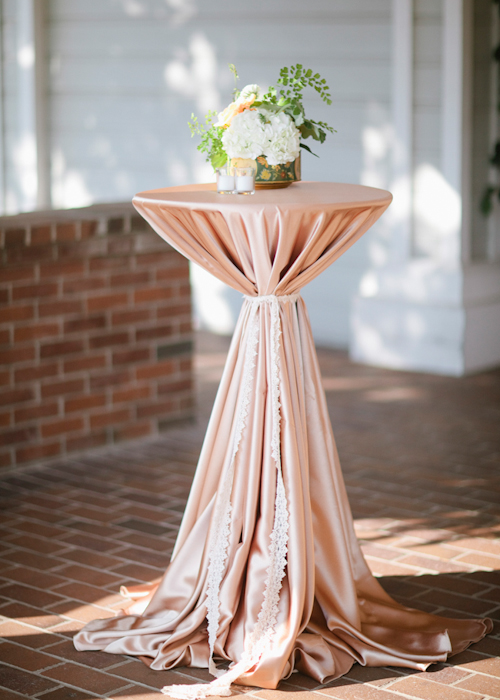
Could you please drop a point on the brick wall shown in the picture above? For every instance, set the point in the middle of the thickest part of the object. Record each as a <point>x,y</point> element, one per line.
<point>95,332</point>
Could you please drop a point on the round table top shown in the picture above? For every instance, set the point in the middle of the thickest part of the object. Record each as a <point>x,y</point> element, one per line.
<point>329,195</point>
<point>272,242</point>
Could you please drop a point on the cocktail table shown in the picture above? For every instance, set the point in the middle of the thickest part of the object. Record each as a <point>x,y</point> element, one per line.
<point>267,571</point>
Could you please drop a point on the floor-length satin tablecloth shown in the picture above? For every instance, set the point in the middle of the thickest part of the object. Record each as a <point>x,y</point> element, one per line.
<point>267,572</point>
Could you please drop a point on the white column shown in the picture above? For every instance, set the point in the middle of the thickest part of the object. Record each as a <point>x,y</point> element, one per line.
<point>456,122</point>
<point>439,313</point>
<point>30,155</point>
<point>25,161</point>
<point>402,117</point>
<point>407,314</point>
<point>41,103</point>
<point>3,155</point>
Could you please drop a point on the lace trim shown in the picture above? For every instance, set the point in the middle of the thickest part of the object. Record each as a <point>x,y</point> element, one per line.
<point>272,298</point>
<point>219,542</point>
<point>261,638</point>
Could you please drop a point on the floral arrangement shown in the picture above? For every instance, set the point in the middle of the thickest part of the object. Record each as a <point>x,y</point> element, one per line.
<point>271,124</point>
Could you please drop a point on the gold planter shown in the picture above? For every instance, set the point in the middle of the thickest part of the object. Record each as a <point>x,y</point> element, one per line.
<point>270,177</point>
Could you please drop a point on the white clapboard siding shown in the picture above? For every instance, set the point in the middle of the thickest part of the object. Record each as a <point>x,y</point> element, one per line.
<point>74,113</point>
<point>124,77</point>
<point>141,39</point>
<point>427,87</point>
<point>145,77</point>
<point>198,10</point>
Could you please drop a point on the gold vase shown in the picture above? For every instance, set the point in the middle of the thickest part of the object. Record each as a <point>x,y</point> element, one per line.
<point>269,177</point>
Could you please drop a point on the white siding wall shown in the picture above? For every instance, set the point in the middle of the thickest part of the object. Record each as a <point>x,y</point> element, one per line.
<point>125,76</point>
<point>428,45</point>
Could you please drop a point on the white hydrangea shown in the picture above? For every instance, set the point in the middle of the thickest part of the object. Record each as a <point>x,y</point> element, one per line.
<point>283,139</point>
<point>246,135</point>
<point>249,136</point>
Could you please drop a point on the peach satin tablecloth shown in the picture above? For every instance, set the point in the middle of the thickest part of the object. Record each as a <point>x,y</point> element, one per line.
<point>267,572</point>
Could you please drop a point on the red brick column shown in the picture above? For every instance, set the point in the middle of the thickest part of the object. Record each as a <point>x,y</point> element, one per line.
<point>95,332</point>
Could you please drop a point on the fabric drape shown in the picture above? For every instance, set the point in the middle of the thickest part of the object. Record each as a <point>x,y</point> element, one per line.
<point>329,611</point>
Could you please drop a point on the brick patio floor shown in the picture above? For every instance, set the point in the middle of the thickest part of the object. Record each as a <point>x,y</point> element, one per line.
<point>420,455</point>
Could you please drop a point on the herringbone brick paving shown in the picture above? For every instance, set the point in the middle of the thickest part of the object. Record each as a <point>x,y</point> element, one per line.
<point>420,455</point>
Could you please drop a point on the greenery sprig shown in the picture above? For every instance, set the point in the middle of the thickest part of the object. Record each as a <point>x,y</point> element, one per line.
<point>288,98</point>
<point>233,70</point>
<point>210,139</point>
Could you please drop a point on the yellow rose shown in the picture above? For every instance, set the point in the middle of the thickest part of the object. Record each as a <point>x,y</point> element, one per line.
<point>265,174</point>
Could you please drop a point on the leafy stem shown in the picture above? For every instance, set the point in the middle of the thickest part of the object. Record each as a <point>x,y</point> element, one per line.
<point>288,96</point>
<point>210,139</point>
<point>236,77</point>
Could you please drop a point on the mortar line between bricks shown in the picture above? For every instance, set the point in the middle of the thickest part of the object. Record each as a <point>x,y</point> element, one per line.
<point>118,583</point>
<point>396,550</point>
<point>471,674</point>
<point>62,662</point>
<point>121,544</point>
<point>69,579</point>
<point>410,566</point>
<point>84,690</point>
<point>42,538</point>
<point>41,695</point>
<point>474,672</point>
<point>58,660</point>
<point>114,551</point>
<point>54,557</point>
<point>12,640</point>
<point>35,629</point>
<point>494,605</point>
<point>31,518</point>
<point>389,687</point>
<point>64,600</point>
<point>67,531</point>
<point>22,697</point>
<point>489,589</point>
<point>72,549</point>
<point>130,686</point>
<point>149,687</point>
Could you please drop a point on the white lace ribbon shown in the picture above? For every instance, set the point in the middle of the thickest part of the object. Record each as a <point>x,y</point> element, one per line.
<point>219,542</point>
<point>261,637</point>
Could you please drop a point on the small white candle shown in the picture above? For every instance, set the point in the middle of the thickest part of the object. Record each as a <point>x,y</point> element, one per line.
<point>225,183</point>
<point>244,183</point>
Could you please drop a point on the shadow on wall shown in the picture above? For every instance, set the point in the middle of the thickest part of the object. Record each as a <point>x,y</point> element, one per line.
<point>193,74</point>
